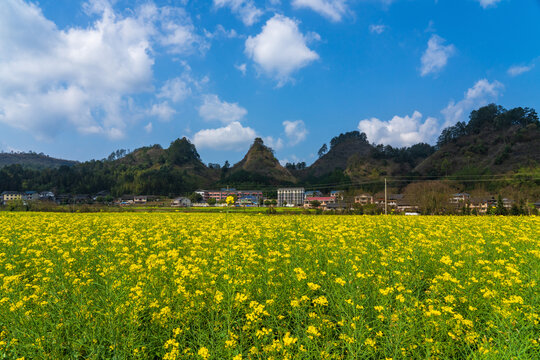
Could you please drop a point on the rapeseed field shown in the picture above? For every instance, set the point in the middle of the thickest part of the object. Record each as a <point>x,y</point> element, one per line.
<point>228,286</point>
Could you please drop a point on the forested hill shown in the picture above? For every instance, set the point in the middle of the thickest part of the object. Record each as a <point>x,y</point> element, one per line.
<point>32,160</point>
<point>493,141</point>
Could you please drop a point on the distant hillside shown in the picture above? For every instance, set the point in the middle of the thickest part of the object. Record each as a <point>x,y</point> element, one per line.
<point>357,159</point>
<point>494,141</point>
<point>32,160</point>
<point>342,148</point>
<point>259,166</point>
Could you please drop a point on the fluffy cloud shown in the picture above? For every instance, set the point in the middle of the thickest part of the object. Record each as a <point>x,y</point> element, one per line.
<point>436,55</point>
<point>245,9</point>
<point>377,29</point>
<point>519,69</point>
<point>83,78</point>
<point>480,94</point>
<point>333,10</point>
<point>175,89</point>
<point>234,136</point>
<point>280,49</point>
<point>295,131</point>
<point>400,131</point>
<point>488,3</point>
<point>162,111</point>
<point>215,109</point>
<point>275,144</point>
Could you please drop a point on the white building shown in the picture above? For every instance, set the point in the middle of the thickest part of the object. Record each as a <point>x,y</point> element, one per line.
<point>290,196</point>
<point>181,201</point>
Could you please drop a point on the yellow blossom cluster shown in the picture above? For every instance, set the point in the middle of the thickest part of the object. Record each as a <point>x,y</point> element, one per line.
<point>241,286</point>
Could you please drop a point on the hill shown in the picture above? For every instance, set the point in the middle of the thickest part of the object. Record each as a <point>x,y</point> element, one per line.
<point>32,160</point>
<point>259,166</point>
<point>494,141</point>
<point>352,158</point>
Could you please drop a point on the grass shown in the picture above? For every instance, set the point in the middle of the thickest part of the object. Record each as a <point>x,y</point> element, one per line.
<point>234,286</point>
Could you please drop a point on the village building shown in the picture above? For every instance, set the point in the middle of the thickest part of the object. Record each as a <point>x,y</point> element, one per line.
<point>10,196</point>
<point>140,199</point>
<point>322,200</point>
<point>181,202</point>
<point>363,199</point>
<point>291,196</point>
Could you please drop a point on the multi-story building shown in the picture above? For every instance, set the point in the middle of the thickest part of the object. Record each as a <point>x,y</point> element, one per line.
<point>290,196</point>
<point>363,199</point>
<point>10,196</point>
<point>30,195</point>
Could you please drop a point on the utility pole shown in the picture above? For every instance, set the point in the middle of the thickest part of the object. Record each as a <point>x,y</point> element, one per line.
<point>385,199</point>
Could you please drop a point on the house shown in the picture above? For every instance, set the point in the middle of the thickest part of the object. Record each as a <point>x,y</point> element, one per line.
<point>203,193</point>
<point>405,205</point>
<point>46,196</point>
<point>11,196</point>
<point>336,206</point>
<point>101,194</point>
<point>363,199</point>
<point>313,193</point>
<point>181,201</point>
<point>81,199</point>
<point>323,200</point>
<point>140,199</point>
<point>30,195</point>
<point>481,205</point>
<point>392,199</point>
<point>460,198</point>
<point>291,196</point>
<point>248,200</point>
<point>126,200</point>
<point>338,194</point>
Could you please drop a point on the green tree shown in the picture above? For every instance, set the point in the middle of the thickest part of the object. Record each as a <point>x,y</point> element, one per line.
<point>323,150</point>
<point>500,209</point>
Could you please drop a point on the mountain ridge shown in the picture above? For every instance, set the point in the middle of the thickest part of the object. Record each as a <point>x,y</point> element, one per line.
<point>494,141</point>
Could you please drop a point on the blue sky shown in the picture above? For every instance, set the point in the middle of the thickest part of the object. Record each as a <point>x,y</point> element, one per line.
<point>79,79</point>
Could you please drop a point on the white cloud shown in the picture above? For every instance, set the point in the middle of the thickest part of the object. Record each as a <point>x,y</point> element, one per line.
<point>519,69</point>
<point>221,32</point>
<point>231,137</point>
<point>275,144</point>
<point>215,109</point>
<point>148,128</point>
<point>436,55</point>
<point>242,68</point>
<point>162,111</point>
<point>400,131</point>
<point>280,49</point>
<point>480,94</point>
<point>488,3</point>
<point>295,131</point>
<point>377,29</point>
<point>246,9</point>
<point>333,10</point>
<point>81,78</point>
<point>175,89</point>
